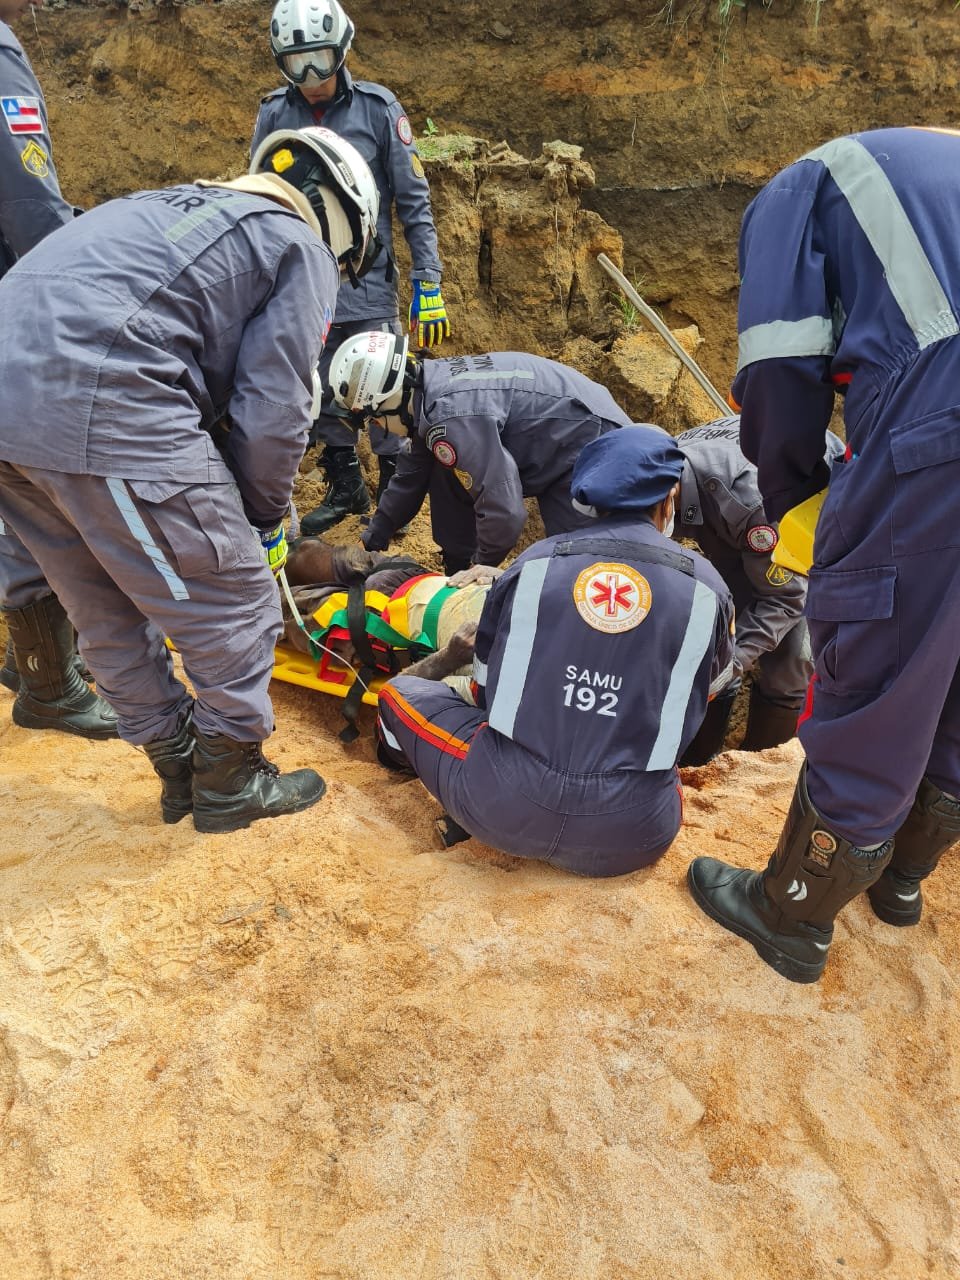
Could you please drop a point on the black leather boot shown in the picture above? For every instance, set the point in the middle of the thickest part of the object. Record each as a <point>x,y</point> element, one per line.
<point>709,738</point>
<point>9,675</point>
<point>52,694</point>
<point>234,785</point>
<point>768,724</point>
<point>787,912</point>
<point>928,831</point>
<point>347,494</point>
<point>171,758</point>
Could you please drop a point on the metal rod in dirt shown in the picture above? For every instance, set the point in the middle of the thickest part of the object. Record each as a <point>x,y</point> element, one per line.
<point>650,315</point>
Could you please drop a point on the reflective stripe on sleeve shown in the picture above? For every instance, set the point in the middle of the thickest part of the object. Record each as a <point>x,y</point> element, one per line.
<point>134,522</point>
<point>812,336</point>
<point>516,654</point>
<point>699,633</point>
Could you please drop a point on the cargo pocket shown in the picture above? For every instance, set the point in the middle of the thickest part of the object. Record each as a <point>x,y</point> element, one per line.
<point>926,460</point>
<point>854,628</point>
<point>189,520</point>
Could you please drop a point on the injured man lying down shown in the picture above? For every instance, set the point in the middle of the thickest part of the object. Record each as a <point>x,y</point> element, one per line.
<point>382,612</point>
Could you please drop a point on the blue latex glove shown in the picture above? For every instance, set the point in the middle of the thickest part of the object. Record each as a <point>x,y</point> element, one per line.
<point>274,543</point>
<point>428,314</point>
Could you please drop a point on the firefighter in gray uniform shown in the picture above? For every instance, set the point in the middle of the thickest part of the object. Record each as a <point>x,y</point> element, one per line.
<point>595,657</point>
<point>31,206</point>
<point>485,432</point>
<point>721,509</point>
<point>147,461</point>
<point>310,40</point>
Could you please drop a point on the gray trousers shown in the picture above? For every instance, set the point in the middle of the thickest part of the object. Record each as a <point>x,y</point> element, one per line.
<point>135,561</point>
<point>21,578</point>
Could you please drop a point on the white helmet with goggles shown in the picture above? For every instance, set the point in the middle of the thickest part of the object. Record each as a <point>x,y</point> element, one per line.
<point>309,39</point>
<point>337,181</point>
<point>366,373</point>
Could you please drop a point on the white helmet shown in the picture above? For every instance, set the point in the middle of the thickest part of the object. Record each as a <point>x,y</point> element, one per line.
<point>337,181</point>
<point>366,373</point>
<point>309,38</point>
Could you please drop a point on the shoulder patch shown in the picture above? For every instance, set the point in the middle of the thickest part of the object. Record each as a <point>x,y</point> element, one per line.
<point>22,115</point>
<point>465,478</point>
<point>778,576</point>
<point>404,132</point>
<point>35,160</point>
<point>762,538</point>
<point>434,434</point>
<point>612,597</point>
<point>416,164</point>
<point>445,453</point>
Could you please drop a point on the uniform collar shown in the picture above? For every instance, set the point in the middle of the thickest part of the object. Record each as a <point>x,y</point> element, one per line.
<point>690,510</point>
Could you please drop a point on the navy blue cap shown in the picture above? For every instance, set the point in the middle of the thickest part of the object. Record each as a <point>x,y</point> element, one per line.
<point>630,469</point>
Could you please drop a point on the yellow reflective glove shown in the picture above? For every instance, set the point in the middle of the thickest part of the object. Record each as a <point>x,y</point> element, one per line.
<point>274,543</point>
<point>428,314</point>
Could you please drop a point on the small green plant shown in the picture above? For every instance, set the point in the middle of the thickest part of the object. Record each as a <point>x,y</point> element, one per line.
<point>430,128</point>
<point>629,315</point>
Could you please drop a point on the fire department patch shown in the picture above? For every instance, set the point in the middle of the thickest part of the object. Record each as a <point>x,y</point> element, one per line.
<point>35,160</point>
<point>416,164</point>
<point>822,847</point>
<point>404,132</point>
<point>612,597</point>
<point>778,576</point>
<point>465,478</point>
<point>434,434</point>
<point>762,537</point>
<point>445,453</point>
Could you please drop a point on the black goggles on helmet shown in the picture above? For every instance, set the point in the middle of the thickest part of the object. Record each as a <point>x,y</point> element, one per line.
<point>323,60</point>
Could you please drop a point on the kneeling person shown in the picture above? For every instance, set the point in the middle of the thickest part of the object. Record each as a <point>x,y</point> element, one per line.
<point>596,655</point>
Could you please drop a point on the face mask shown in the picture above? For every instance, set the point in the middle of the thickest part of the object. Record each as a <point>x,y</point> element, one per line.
<point>668,527</point>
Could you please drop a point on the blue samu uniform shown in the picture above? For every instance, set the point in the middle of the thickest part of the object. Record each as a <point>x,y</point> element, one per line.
<point>595,658</point>
<point>850,260</point>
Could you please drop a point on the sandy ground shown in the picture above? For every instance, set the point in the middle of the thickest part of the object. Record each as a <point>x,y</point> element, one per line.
<point>326,1047</point>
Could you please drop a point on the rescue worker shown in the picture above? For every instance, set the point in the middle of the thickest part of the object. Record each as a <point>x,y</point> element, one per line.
<point>486,431</point>
<point>31,206</point>
<point>720,509</point>
<point>310,40</point>
<point>181,329</point>
<point>596,653</point>
<point>850,265</point>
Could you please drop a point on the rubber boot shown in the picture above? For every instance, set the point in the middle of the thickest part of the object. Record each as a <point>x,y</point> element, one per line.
<point>52,694</point>
<point>768,725</point>
<point>787,911</point>
<point>172,761</point>
<point>709,739</point>
<point>930,828</point>
<point>9,675</point>
<point>234,785</point>
<point>346,495</point>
